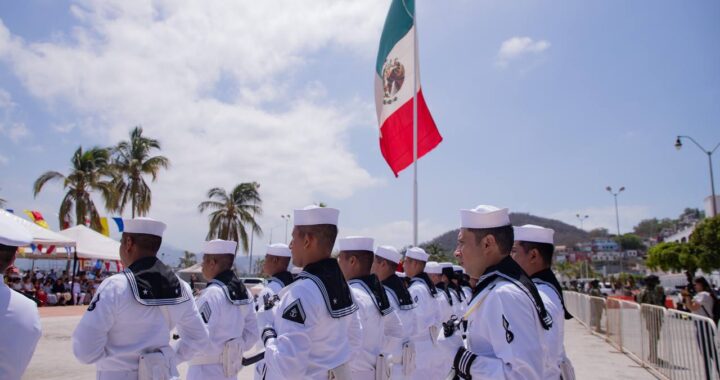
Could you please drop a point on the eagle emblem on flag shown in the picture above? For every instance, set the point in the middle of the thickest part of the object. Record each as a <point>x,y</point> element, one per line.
<point>393,78</point>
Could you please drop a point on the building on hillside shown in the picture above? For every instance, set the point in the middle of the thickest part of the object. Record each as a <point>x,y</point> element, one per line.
<point>605,245</point>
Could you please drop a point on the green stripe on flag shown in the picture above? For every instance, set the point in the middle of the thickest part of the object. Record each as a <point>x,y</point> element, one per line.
<point>397,25</point>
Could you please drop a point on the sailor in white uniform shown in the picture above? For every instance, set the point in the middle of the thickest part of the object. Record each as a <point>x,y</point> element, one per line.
<point>533,251</point>
<point>452,291</point>
<point>19,319</point>
<point>400,349</point>
<point>126,329</point>
<point>317,329</point>
<point>227,308</point>
<point>445,311</point>
<point>507,321</point>
<point>462,281</point>
<point>377,317</point>
<point>427,312</point>
<point>277,259</point>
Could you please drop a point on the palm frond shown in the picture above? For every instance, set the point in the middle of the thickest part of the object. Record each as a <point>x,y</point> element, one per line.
<point>45,178</point>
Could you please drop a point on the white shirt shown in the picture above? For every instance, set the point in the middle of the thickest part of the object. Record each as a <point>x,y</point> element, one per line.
<point>268,291</point>
<point>556,335</point>
<point>310,349</point>
<point>19,332</point>
<point>506,334</point>
<point>393,344</point>
<point>225,321</point>
<point>706,302</point>
<point>427,314</point>
<point>116,329</point>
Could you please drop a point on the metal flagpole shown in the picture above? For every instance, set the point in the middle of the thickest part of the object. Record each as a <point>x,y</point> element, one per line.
<point>415,130</point>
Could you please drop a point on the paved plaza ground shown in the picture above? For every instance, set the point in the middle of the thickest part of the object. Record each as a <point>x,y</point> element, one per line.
<point>593,358</point>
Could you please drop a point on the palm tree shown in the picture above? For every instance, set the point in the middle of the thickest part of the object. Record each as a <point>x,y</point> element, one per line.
<point>90,172</point>
<point>131,161</point>
<point>188,259</point>
<point>233,211</point>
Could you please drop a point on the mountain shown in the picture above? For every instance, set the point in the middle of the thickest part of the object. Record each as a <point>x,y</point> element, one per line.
<point>565,234</point>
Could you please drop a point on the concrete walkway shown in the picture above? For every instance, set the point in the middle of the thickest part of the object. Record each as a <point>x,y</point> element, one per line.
<point>595,359</point>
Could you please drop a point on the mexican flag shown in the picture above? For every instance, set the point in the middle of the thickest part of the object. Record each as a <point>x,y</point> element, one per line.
<point>395,69</point>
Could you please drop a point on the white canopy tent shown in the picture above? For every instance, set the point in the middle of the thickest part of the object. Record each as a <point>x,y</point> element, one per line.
<point>41,236</point>
<point>92,245</point>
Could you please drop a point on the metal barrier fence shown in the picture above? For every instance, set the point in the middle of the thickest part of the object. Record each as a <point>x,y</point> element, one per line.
<point>670,343</point>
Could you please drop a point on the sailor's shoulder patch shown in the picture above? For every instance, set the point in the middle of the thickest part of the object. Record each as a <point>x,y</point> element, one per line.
<point>295,312</point>
<point>509,336</point>
<point>205,312</point>
<point>94,302</point>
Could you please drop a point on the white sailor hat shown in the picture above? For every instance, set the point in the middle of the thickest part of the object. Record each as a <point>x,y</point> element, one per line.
<point>417,253</point>
<point>458,268</point>
<point>484,216</point>
<point>389,253</point>
<point>144,226</point>
<point>400,274</point>
<point>534,234</point>
<point>356,243</point>
<point>432,267</point>
<point>219,247</point>
<point>13,234</point>
<point>278,249</point>
<point>314,215</point>
<point>445,264</point>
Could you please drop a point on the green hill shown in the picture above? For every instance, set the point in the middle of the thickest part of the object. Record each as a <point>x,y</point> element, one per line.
<point>565,234</point>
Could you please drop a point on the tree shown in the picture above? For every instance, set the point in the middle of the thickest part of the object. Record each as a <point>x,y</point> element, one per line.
<point>630,241</point>
<point>90,172</point>
<point>132,161</point>
<point>707,235</point>
<point>436,252</point>
<point>676,257</point>
<point>232,212</point>
<point>598,233</point>
<point>651,228</point>
<point>258,266</point>
<point>189,259</point>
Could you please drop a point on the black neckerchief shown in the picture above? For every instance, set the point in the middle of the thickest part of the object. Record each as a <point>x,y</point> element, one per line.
<point>441,285</point>
<point>233,287</point>
<point>546,276</point>
<point>372,285</point>
<point>509,270</point>
<point>458,291</point>
<point>154,283</point>
<point>397,288</point>
<point>423,278</point>
<point>329,279</point>
<point>284,278</point>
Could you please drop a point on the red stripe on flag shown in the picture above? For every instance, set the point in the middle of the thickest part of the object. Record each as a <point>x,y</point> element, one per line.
<point>396,135</point>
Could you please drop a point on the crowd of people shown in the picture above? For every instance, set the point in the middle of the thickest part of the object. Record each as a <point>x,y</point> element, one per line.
<point>50,288</point>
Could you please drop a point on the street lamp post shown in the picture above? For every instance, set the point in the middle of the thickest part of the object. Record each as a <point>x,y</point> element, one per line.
<point>286,217</point>
<point>678,145</point>
<point>617,218</point>
<point>582,218</point>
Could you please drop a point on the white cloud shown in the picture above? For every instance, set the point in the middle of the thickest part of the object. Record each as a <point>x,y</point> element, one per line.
<point>163,64</point>
<point>3,160</point>
<point>16,131</point>
<point>517,47</point>
<point>604,217</point>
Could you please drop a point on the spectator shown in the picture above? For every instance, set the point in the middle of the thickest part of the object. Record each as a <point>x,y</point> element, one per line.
<point>596,305</point>
<point>703,304</point>
<point>653,294</point>
<point>77,294</point>
<point>59,290</point>
<point>28,288</point>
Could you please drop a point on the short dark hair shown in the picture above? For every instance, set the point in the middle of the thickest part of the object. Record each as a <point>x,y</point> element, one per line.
<point>146,242</point>
<point>7,254</point>
<point>365,258</point>
<point>504,236</point>
<point>390,263</point>
<point>324,233</point>
<point>546,250</point>
<point>226,260</point>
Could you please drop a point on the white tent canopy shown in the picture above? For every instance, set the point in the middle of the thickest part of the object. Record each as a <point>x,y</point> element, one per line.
<point>92,245</point>
<point>40,235</point>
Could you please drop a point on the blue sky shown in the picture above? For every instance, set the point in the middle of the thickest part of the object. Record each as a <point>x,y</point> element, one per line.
<point>541,105</point>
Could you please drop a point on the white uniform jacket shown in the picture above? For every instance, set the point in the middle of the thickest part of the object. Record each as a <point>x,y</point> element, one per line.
<point>547,286</point>
<point>227,308</point>
<point>377,318</point>
<point>125,319</point>
<point>266,302</point>
<point>428,317</point>
<point>506,335</point>
<point>19,332</point>
<point>402,302</point>
<point>316,323</point>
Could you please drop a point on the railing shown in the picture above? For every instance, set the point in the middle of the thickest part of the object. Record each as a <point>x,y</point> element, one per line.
<point>670,343</point>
